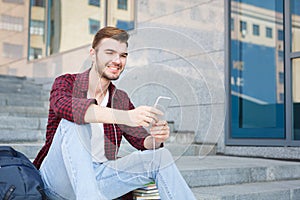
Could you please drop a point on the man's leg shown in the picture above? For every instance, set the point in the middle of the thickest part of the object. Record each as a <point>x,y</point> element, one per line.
<point>116,178</point>
<point>68,170</point>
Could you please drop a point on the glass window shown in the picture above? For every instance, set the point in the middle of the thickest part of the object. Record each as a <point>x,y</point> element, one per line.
<point>125,24</point>
<point>280,35</point>
<point>280,56</point>
<point>14,1</point>
<point>269,33</point>
<point>257,96</point>
<point>281,77</point>
<point>12,50</point>
<point>37,27</point>
<point>35,53</point>
<point>255,29</point>
<point>121,15</point>
<point>243,28</point>
<point>296,97</point>
<point>232,24</point>
<point>281,97</point>
<point>56,26</point>
<point>122,4</point>
<point>94,2</point>
<point>295,17</point>
<point>38,3</point>
<point>11,23</point>
<point>94,26</point>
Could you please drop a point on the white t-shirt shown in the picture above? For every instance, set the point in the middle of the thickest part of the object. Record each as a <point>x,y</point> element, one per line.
<point>97,141</point>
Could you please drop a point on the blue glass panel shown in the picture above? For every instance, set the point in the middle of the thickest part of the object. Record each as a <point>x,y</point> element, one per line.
<point>94,26</point>
<point>296,97</point>
<point>122,4</point>
<point>255,29</point>
<point>94,3</point>
<point>125,25</point>
<point>257,88</point>
<point>269,33</point>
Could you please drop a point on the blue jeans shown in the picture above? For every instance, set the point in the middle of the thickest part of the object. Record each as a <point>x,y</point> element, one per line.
<point>69,172</point>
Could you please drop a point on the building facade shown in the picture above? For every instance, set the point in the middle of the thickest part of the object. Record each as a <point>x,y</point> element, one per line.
<point>230,67</point>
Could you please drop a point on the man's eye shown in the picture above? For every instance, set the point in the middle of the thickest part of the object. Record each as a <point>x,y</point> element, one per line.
<point>124,56</point>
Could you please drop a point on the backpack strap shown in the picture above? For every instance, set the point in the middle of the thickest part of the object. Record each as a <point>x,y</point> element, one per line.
<point>44,196</point>
<point>9,192</point>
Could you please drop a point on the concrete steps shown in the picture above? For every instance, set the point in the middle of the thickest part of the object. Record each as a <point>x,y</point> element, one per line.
<point>280,190</point>
<point>179,144</point>
<point>24,111</point>
<point>222,177</point>
<point>19,99</point>
<point>23,114</point>
<point>23,118</point>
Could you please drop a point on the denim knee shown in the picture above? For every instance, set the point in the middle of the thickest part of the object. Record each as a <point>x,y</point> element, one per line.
<point>81,130</point>
<point>165,157</point>
<point>157,158</point>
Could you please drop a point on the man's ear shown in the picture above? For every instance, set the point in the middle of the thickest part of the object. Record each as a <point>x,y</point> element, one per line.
<point>93,53</point>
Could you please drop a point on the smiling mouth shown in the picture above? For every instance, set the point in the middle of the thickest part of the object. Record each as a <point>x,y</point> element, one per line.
<point>114,68</point>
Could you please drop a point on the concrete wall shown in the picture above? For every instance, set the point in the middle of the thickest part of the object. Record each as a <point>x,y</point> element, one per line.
<point>176,50</point>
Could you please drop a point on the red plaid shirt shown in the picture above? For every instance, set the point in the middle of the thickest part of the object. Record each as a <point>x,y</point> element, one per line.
<point>68,100</point>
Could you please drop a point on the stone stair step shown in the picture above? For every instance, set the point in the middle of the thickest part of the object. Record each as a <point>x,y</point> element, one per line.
<point>179,144</point>
<point>23,111</point>
<point>21,136</point>
<point>44,96</point>
<point>21,123</point>
<point>22,89</point>
<point>279,190</point>
<point>225,170</point>
<point>13,79</point>
<point>10,79</point>
<point>6,101</point>
<point>191,149</point>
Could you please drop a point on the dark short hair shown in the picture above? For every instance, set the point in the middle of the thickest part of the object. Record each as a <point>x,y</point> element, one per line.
<point>110,32</point>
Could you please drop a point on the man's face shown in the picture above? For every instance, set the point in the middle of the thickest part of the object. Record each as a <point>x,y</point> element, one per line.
<point>111,56</point>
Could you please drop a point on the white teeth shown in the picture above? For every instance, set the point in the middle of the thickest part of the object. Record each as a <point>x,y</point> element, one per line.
<point>114,68</point>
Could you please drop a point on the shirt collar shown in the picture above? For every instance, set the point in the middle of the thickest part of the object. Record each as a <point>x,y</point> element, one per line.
<point>82,81</point>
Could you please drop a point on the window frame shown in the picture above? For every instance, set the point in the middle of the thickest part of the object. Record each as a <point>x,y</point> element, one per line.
<point>38,3</point>
<point>92,22</point>
<point>93,3</point>
<point>288,57</point>
<point>269,32</point>
<point>123,6</point>
<point>255,29</point>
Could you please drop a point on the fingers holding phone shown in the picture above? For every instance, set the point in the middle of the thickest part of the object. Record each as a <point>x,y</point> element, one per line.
<point>160,131</point>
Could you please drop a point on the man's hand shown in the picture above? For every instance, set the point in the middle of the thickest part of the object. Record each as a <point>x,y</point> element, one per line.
<point>143,116</point>
<point>160,132</point>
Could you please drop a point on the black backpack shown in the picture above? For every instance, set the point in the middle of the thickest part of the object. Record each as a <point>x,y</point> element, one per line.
<point>19,179</point>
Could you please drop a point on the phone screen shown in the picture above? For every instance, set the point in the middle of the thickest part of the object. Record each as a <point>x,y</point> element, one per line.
<point>162,103</point>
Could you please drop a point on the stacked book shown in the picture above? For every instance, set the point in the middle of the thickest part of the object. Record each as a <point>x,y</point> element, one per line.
<point>149,191</point>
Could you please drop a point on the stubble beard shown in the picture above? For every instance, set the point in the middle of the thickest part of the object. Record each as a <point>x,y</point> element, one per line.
<point>105,75</point>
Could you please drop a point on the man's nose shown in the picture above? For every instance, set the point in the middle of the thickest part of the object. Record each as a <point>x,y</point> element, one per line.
<point>117,59</point>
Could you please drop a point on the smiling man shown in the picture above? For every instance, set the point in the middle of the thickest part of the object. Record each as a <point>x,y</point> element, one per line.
<point>88,116</point>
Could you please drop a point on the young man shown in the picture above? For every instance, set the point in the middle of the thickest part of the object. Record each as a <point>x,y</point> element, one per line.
<point>88,117</point>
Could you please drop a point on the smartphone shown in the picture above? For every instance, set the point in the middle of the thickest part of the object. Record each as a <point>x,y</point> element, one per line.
<point>162,103</point>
